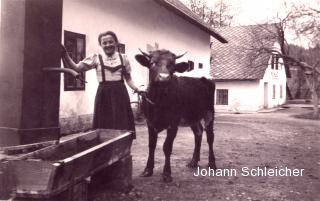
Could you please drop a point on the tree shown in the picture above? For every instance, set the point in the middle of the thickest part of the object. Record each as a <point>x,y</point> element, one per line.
<point>216,15</point>
<point>297,83</point>
<point>305,22</point>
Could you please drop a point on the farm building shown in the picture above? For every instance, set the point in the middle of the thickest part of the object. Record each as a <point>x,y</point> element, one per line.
<point>245,80</point>
<point>141,24</point>
<point>37,105</point>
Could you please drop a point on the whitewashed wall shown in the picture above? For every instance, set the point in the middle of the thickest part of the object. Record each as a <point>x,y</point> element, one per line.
<point>277,78</point>
<point>248,96</point>
<point>136,23</point>
<point>243,96</point>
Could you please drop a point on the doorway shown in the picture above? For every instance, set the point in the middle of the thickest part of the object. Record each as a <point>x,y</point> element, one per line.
<point>265,102</point>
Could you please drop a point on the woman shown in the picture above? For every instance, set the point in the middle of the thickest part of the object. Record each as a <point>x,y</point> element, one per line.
<point>112,104</point>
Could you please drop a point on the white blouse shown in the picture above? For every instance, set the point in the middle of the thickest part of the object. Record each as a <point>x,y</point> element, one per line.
<point>113,61</point>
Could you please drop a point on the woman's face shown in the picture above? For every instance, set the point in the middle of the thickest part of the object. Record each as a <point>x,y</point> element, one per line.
<point>108,44</point>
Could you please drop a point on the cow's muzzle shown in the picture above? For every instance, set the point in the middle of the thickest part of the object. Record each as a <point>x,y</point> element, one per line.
<point>162,77</point>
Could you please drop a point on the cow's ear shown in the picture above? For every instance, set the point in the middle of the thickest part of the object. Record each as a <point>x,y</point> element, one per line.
<point>181,67</point>
<point>143,60</point>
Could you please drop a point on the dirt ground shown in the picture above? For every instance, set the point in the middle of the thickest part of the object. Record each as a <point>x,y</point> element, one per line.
<point>271,140</point>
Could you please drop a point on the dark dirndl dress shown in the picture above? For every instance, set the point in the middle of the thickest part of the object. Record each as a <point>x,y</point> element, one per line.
<point>112,108</point>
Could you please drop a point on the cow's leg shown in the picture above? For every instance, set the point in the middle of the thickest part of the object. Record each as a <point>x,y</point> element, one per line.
<point>167,149</point>
<point>197,132</point>
<point>153,136</point>
<point>210,139</point>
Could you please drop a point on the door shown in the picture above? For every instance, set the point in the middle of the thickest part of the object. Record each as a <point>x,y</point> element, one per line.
<point>265,102</point>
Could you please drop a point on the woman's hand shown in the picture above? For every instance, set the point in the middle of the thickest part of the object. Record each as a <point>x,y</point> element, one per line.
<point>140,90</point>
<point>63,51</point>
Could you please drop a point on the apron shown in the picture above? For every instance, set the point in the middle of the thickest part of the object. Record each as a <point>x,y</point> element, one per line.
<point>112,108</point>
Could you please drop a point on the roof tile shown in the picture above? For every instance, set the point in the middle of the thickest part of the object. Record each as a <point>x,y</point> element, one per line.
<point>234,59</point>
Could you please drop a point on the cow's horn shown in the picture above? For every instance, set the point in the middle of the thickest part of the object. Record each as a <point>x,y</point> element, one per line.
<point>177,57</point>
<point>145,54</point>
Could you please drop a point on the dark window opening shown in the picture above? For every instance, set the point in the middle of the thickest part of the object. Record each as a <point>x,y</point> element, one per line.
<point>275,61</point>
<point>222,97</point>
<point>122,48</point>
<point>200,65</point>
<point>191,65</point>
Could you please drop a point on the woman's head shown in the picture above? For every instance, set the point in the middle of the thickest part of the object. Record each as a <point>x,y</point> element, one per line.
<point>108,42</point>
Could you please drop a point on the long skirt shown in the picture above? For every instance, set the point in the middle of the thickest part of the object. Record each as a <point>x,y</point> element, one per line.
<point>112,108</point>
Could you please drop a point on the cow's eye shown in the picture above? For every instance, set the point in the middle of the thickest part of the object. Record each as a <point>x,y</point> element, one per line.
<point>153,64</point>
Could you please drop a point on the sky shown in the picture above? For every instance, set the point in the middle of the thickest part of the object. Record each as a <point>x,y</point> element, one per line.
<point>247,12</point>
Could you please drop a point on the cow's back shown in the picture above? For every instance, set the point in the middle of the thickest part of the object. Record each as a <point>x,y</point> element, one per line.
<point>184,99</point>
<point>195,97</point>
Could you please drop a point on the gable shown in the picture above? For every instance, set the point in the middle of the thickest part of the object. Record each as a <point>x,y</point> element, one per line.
<point>238,60</point>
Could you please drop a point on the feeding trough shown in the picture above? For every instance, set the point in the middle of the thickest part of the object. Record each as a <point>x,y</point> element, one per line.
<point>52,170</point>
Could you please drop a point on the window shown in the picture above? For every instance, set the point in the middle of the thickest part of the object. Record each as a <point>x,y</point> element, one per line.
<point>274,91</point>
<point>200,65</point>
<point>122,48</point>
<point>191,65</point>
<point>275,62</point>
<point>75,44</point>
<point>211,60</point>
<point>281,91</point>
<point>222,97</point>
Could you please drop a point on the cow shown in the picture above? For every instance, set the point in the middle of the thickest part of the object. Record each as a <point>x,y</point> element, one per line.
<point>170,101</point>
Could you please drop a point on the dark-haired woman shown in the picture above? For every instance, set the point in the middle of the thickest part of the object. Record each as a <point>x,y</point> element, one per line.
<point>112,104</point>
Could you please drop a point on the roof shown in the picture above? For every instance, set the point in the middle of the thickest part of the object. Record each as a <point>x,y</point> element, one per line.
<point>238,60</point>
<point>179,8</point>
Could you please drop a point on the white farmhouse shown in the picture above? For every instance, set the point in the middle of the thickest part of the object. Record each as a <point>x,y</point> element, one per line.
<point>247,81</point>
<point>145,24</point>
<point>37,105</point>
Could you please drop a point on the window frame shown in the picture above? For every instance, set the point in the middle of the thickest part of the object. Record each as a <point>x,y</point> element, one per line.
<point>191,65</point>
<point>275,62</point>
<point>75,44</point>
<point>274,91</point>
<point>121,48</point>
<point>222,97</point>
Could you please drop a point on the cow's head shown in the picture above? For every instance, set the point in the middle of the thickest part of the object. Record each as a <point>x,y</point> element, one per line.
<point>162,64</point>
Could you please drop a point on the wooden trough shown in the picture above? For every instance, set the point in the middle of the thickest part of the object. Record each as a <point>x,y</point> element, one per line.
<point>52,170</point>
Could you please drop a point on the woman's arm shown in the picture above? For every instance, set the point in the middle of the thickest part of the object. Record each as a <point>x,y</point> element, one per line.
<point>130,82</point>
<point>127,74</point>
<point>79,67</point>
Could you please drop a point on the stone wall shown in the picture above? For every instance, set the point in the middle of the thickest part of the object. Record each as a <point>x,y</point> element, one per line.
<point>75,124</point>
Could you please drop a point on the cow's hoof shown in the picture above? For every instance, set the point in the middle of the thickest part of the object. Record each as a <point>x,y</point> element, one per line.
<point>147,173</point>
<point>212,165</point>
<point>166,178</point>
<point>192,164</point>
